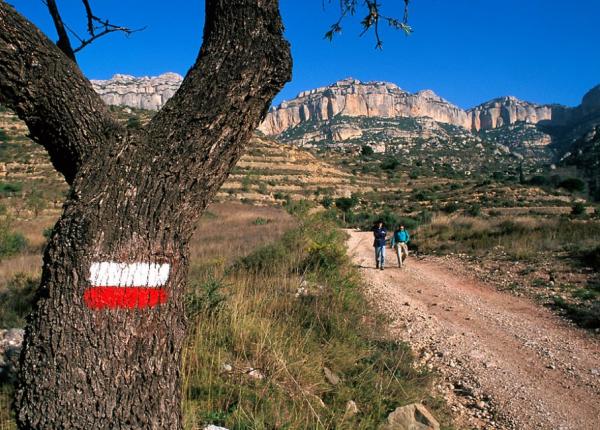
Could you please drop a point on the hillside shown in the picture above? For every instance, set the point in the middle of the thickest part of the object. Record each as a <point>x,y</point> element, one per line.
<point>269,172</point>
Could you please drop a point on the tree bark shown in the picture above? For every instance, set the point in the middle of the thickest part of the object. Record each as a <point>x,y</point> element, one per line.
<point>102,348</point>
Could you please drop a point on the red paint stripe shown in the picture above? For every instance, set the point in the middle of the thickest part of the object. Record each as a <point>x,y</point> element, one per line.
<point>124,297</point>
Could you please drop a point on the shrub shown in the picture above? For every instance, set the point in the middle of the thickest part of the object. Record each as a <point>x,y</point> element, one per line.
<point>424,217</point>
<point>327,202</point>
<point>267,259</point>
<point>134,123</point>
<point>204,298</point>
<point>246,183</point>
<point>450,207</point>
<point>345,203</point>
<point>390,164</point>
<point>584,315</point>
<point>366,150</point>
<point>10,188</point>
<point>260,221</point>
<point>17,300</point>
<point>262,188</point>
<point>578,209</point>
<point>592,258</point>
<point>539,181</point>
<point>572,185</point>
<point>298,207</point>
<point>474,210</point>
<point>11,242</point>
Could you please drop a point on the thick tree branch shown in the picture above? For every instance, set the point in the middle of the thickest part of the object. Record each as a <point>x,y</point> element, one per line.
<point>49,93</point>
<point>225,95</point>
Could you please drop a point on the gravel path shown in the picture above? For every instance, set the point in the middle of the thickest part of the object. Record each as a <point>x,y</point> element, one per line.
<point>504,361</point>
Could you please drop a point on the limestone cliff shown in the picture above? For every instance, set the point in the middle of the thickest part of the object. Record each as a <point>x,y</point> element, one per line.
<point>350,97</point>
<point>506,111</point>
<point>353,98</point>
<point>150,93</point>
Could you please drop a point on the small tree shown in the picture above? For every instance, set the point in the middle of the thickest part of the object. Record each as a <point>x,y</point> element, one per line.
<point>345,204</point>
<point>35,202</point>
<point>366,150</point>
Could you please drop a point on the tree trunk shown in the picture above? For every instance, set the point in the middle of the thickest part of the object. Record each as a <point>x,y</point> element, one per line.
<point>102,348</point>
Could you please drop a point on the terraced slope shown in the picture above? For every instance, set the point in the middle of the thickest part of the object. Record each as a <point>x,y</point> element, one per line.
<point>271,171</point>
<point>268,173</point>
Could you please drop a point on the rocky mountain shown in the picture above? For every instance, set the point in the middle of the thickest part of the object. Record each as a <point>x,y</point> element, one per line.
<point>150,93</point>
<point>390,119</point>
<point>353,98</point>
<point>507,111</point>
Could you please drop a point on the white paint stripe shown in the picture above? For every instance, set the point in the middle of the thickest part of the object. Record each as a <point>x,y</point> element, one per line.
<point>112,274</point>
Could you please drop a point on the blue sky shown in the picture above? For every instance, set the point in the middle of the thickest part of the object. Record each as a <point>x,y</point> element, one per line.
<point>467,51</point>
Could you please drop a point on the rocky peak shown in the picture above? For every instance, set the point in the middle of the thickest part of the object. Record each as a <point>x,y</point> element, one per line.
<point>591,100</point>
<point>505,111</point>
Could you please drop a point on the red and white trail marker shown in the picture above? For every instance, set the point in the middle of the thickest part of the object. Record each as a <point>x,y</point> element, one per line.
<point>126,285</point>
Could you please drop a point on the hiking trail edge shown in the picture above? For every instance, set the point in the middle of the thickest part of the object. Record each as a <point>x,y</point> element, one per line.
<point>505,362</point>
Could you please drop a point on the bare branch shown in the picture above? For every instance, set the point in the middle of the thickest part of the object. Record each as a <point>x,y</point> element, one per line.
<point>63,39</point>
<point>90,15</point>
<point>103,24</point>
<point>94,24</point>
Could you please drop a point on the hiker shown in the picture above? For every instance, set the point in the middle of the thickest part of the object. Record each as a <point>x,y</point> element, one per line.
<point>400,240</point>
<point>379,233</point>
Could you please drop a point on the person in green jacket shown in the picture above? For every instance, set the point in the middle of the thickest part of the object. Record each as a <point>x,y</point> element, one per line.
<point>400,240</point>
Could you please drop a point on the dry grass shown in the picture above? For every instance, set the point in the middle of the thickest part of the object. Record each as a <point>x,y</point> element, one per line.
<point>230,230</point>
<point>521,237</point>
<point>289,310</point>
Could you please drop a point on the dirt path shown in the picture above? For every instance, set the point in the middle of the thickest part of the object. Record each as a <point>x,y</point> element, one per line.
<point>505,361</point>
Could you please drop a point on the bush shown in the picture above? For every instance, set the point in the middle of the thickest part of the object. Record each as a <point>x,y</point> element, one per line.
<point>263,260</point>
<point>366,150</point>
<point>11,242</point>
<point>572,185</point>
<point>345,204</point>
<point>204,298</point>
<point>450,207</point>
<point>17,300</point>
<point>474,210</point>
<point>390,164</point>
<point>327,202</point>
<point>260,221</point>
<point>584,315</point>
<point>538,181</point>
<point>578,209</point>
<point>592,258</point>
<point>298,207</point>
<point>10,188</point>
<point>134,123</point>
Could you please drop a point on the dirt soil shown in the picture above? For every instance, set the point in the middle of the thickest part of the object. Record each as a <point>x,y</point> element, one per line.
<point>504,361</point>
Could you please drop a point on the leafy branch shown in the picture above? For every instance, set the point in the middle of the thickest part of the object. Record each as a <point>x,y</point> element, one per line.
<point>371,21</point>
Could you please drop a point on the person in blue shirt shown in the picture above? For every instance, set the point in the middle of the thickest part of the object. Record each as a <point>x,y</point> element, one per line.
<point>400,240</point>
<point>379,234</point>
